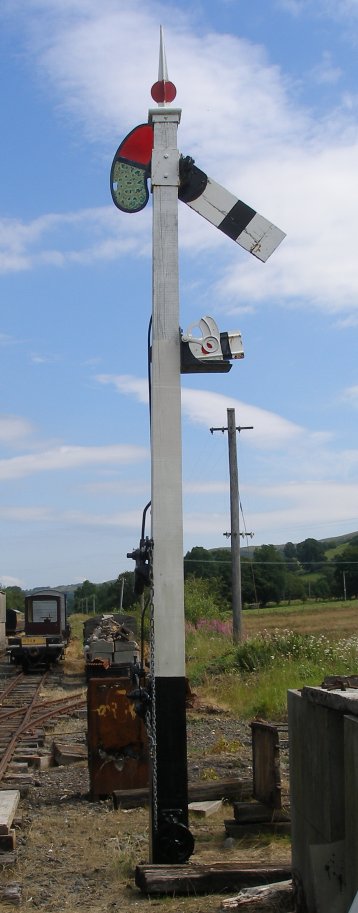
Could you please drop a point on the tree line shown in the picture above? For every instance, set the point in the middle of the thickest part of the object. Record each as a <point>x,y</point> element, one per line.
<point>268,575</point>
<point>273,575</point>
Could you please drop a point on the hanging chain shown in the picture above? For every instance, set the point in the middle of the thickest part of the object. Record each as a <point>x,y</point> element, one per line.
<point>151,718</point>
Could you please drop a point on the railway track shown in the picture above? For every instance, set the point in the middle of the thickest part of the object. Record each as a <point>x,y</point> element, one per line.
<point>23,711</point>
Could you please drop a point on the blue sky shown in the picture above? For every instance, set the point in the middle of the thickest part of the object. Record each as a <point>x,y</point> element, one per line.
<point>269,98</point>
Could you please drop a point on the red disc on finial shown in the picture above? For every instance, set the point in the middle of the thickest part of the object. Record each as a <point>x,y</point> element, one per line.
<point>163,91</point>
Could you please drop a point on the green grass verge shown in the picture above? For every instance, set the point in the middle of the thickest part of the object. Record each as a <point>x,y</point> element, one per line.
<point>252,679</point>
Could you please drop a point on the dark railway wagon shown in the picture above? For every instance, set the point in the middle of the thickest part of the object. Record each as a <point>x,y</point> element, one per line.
<point>14,621</point>
<point>45,631</point>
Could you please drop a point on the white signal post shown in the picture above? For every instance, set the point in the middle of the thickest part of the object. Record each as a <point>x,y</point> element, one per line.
<point>171,840</point>
<point>153,147</point>
<point>167,523</point>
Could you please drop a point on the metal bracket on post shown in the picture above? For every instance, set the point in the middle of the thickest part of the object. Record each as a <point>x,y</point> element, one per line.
<point>165,167</point>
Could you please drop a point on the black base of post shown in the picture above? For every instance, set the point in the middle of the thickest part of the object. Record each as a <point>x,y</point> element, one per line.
<point>171,842</point>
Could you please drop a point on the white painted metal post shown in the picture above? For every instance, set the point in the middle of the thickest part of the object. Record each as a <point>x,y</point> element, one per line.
<point>167,525</point>
<point>171,840</point>
<point>152,148</point>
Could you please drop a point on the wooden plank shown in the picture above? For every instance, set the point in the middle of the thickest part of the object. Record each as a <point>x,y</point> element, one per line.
<point>266,763</point>
<point>204,809</point>
<point>38,761</point>
<point>11,893</point>
<point>230,788</point>
<point>265,899</point>
<point>234,829</point>
<point>18,767</point>
<point>69,753</point>
<point>7,859</point>
<point>8,841</point>
<point>204,879</point>
<point>18,778</point>
<point>9,800</point>
<point>340,682</point>
<point>254,812</point>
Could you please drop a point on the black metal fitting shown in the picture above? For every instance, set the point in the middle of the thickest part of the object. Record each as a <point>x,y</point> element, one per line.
<point>141,556</point>
<point>142,701</point>
<point>174,841</point>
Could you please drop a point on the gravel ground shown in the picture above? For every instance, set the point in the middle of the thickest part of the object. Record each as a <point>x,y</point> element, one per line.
<point>77,855</point>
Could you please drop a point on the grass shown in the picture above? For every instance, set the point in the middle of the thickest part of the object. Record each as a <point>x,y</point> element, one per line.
<point>336,550</point>
<point>336,619</point>
<point>283,648</point>
<point>76,623</point>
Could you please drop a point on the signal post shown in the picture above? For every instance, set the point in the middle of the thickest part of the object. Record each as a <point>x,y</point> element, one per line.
<point>169,791</point>
<point>151,151</point>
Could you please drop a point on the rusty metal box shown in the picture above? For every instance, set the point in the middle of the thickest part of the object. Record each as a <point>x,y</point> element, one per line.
<point>117,738</point>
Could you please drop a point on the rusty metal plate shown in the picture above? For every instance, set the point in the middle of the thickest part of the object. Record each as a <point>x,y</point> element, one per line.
<point>117,738</point>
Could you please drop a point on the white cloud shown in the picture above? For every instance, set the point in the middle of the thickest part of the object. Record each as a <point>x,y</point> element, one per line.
<point>280,448</point>
<point>295,7</point>
<point>69,457</point>
<point>279,513</point>
<point>117,487</point>
<point>297,170</point>
<point>43,359</point>
<point>325,72</point>
<point>319,506</point>
<point>315,265</point>
<point>6,340</point>
<point>13,428</point>
<point>127,519</point>
<point>275,513</point>
<point>126,383</point>
<point>82,237</point>
<point>22,514</point>
<point>270,430</point>
<point>207,408</point>
<point>205,488</point>
<point>5,580</point>
<point>344,10</point>
<point>350,395</point>
<point>130,519</point>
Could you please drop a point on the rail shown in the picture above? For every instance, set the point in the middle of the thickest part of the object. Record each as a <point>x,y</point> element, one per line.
<point>21,711</point>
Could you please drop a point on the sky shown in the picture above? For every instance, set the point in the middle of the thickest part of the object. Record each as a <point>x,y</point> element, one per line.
<point>269,98</point>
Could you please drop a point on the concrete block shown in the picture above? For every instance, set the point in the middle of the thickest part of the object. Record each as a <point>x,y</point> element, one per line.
<point>328,867</point>
<point>101,646</point>
<point>317,784</point>
<point>122,645</point>
<point>351,805</point>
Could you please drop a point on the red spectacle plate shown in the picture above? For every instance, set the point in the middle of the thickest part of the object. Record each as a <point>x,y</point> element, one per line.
<point>137,146</point>
<point>163,91</point>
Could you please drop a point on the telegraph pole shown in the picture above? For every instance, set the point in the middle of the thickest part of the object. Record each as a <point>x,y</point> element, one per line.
<point>232,428</point>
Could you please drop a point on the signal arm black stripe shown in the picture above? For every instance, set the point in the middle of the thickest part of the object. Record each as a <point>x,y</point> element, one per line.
<point>237,220</point>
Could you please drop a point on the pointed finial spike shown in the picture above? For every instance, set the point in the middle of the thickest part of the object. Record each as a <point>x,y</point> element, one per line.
<point>163,91</point>
<point>162,69</point>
